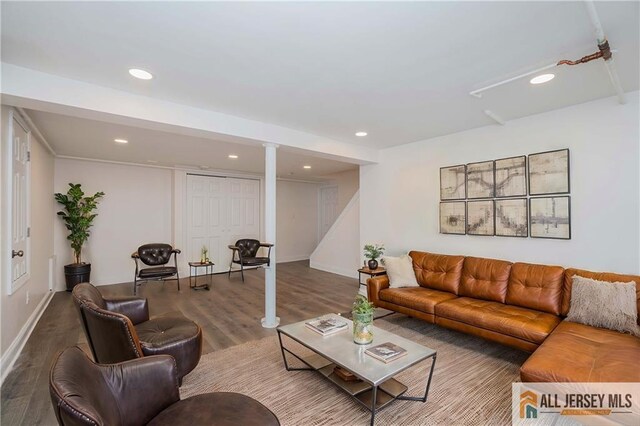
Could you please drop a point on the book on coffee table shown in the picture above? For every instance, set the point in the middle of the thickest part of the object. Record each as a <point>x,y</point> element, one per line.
<point>327,326</point>
<point>386,352</point>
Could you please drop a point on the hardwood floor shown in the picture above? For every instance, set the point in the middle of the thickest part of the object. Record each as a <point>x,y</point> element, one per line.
<point>229,314</point>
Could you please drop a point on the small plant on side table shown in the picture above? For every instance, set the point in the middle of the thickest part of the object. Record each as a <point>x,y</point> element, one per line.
<point>373,252</point>
<point>362,312</point>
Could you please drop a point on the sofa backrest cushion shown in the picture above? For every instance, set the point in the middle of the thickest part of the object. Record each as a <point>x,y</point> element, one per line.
<point>485,279</point>
<point>536,287</point>
<point>437,271</point>
<point>599,276</point>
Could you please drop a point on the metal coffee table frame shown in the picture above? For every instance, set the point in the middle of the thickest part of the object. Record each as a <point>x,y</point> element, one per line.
<point>374,395</point>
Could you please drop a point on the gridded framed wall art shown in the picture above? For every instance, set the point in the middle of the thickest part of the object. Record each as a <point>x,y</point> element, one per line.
<point>517,196</point>
<point>453,182</point>
<point>481,217</point>
<point>453,217</point>
<point>550,217</point>
<point>480,180</point>
<point>549,173</point>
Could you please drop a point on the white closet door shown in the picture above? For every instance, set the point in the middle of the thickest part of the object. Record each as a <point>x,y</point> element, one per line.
<point>207,218</point>
<point>244,210</point>
<point>220,211</point>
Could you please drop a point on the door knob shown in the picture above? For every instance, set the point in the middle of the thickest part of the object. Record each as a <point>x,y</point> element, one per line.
<point>18,253</point>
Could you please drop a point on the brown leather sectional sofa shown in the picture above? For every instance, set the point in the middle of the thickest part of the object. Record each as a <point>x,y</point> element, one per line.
<point>517,304</point>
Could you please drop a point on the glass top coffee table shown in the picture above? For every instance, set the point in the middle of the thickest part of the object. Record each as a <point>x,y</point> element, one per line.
<point>376,388</point>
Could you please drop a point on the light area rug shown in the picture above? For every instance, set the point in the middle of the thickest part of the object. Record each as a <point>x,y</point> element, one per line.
<point>471,383</point>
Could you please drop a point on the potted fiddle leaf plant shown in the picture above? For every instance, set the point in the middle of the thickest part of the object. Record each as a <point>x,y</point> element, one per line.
<point>78,215</point>
<point>373,252</point>
<point>362,313</point>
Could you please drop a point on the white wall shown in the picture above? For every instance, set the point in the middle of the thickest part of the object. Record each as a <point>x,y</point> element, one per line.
<point>16,314</point>
<point>136,209</point>
<point>296,220</point>
<point>347,182</point>
<point>338,252</point>
<point>400,195</point>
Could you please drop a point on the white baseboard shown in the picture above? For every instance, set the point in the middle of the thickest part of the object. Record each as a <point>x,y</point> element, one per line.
<point>285,259</point>
<point>13,351</point>
<point>351,273</point>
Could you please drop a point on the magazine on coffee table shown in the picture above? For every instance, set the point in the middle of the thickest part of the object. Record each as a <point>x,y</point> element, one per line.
<point>386,352</point>
<point>327,325</point>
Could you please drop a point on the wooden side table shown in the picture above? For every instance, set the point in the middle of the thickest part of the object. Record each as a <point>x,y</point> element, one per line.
<point>371,272</point>
<point>193,277</point>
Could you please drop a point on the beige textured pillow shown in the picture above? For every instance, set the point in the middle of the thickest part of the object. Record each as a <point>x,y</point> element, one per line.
<point>400,271</point>
<point>604,304</point>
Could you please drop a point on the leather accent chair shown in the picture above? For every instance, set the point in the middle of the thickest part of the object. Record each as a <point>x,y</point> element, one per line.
<point>119,329</point>
<point>157,256</point>
<point>138,392</point>
<point>245,253</point>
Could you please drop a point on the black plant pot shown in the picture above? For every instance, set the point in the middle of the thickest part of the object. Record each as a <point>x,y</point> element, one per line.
<point>77,273</point>
<point>373,264</point>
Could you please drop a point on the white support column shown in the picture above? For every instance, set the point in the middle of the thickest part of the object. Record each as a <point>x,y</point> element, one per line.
<point>270,320</point>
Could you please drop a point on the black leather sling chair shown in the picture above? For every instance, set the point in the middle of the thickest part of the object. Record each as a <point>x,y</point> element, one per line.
<point>245,253</point>
<point>157,256</point>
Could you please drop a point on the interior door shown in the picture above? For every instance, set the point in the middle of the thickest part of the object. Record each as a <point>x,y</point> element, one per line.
<point>244,210</point>
<point>20,206</point>
<point>328,208</point>
<point>220,211</point>
<point>207,218</point>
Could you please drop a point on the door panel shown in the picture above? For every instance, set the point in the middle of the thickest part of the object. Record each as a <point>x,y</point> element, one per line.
<point>220,212</point>
<point>20,205</point>
<point>328,208</point>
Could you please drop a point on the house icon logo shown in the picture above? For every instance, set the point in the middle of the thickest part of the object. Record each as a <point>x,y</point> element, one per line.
<point>528,405</point>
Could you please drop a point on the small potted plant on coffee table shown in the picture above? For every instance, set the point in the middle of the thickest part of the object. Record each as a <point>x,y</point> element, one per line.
<point>362,313</point>
<point>373,252</point>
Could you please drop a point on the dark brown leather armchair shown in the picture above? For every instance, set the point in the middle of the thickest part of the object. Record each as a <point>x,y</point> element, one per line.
<point>245,253</point>
<point>139,392</point>
<point>119,329</point>
<point>157,256</point>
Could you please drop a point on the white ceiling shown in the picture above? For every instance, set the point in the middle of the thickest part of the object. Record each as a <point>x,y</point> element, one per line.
<point>79,137</point>
<point>398,70</point>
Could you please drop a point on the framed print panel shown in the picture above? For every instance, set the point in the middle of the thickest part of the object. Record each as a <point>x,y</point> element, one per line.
<point>480,180</point>
<point>480,217</point>
<point>512,219</point>
<point>453,183</point>
<point>550,217</point>
<point>549,172</point>
<point>511,177</point>
<point>453,217</point>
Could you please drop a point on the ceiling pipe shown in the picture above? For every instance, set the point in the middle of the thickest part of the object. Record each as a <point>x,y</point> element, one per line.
<point>604,52</point>
<point>601,39</point>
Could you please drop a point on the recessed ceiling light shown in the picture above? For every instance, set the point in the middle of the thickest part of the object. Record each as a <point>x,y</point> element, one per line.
<point>361,134</point>
<point>542,78</point>
<point>121,141</point>
<point>141,74</point>
<point>233,156</point>
<point>152,161</point>
<point>306,167</point>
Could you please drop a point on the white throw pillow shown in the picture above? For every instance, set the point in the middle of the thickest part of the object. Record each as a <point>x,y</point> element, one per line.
<point>400,271</point>
<point>604,304</point>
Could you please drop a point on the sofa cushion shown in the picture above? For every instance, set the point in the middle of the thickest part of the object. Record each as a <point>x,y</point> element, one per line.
<point>525,324</point>
<point>604,304</point>
<point>537,287</point>
<point>400,271</point>
<point>437,271</point>
<point>600,276</point>
<point>581,353</point>
<point>485,279</point>
<point>418,298</point>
